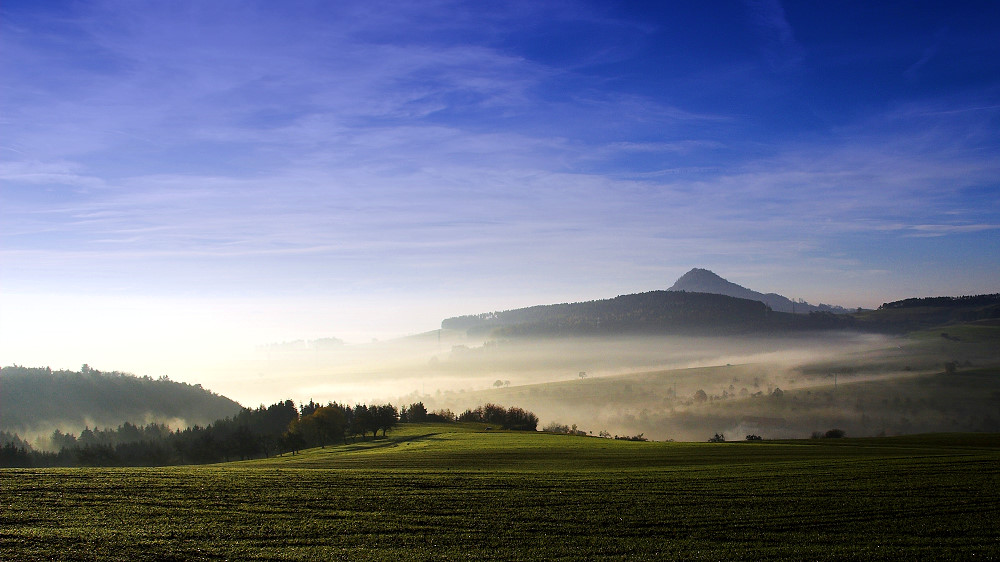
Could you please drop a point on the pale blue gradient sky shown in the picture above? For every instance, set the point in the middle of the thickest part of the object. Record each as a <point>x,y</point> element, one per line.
<point>183,172</point>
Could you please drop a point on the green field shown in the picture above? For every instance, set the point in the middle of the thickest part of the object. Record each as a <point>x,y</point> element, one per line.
<point>457,492</point>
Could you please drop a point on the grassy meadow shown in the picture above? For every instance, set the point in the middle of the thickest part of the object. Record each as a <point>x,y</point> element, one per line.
<point>459,492</point>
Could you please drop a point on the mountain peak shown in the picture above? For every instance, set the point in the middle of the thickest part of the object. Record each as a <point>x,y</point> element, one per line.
<point>704,281</point>
<point>699,280</point>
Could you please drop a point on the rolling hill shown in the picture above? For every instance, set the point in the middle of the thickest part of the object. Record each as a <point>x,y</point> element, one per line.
<point>39,400</point>
<point>702,303</point>
<point>652,311</point>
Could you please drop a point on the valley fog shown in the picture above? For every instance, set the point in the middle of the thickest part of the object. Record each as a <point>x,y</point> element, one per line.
<point>451,362</point>
<point>442,362</point>
<point>664,387</point>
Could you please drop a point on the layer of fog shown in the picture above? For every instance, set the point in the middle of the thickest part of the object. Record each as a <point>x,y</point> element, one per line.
<point>690,388</point>
<point>861,383</point>
<point>39,435</point>
<point>443,361</point>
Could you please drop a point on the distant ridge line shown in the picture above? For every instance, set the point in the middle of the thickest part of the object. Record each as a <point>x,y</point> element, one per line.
<point>700,280</point>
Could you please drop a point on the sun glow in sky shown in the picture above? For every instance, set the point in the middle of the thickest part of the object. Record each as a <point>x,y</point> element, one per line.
<point>180,179</point>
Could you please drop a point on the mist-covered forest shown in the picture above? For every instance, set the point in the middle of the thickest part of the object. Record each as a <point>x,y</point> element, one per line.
<point>281,428</point>
<point>36,400</point>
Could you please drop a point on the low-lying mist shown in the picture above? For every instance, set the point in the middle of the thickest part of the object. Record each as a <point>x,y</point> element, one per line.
<point>449,362</point>
<point>665,387</point>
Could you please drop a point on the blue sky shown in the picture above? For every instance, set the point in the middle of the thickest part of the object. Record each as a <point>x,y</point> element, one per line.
<point>262,171</point>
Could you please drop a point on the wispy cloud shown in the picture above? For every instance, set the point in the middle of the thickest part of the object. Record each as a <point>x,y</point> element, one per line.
<point>299,150</point>
<point>48,173</point>
<point>778,45</point>
<point>945,229</point>
<point>930,52</point>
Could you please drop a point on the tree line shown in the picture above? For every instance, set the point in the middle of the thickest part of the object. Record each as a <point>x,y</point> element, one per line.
<point>952,302</point>
<point>513,418</point>
<point>277,429</point>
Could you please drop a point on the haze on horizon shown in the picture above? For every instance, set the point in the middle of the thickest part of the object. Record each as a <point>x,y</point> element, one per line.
<point>183,182</point>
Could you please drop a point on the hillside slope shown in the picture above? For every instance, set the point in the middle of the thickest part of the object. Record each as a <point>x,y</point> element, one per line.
<point>652,311</point>
<point>39,399</point>
<point>656,312</point>
<point>930,312</point>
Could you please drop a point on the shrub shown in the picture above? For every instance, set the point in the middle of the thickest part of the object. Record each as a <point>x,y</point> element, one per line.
<point>556,428</point>
<point>631,438</point>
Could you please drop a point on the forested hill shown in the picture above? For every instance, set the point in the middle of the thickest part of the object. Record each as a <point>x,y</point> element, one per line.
<point>39,399</point>
<point>659,311</point>
<point>923,313</point>
<point>702,313</point>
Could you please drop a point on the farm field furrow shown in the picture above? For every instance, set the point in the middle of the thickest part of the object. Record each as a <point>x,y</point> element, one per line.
<point>519,497</point>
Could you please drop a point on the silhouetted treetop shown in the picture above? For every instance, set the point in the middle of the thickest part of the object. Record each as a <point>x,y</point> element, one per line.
<point>950,302</point>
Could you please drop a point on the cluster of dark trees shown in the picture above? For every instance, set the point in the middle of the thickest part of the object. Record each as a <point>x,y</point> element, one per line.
<point>319,426</point>
<point>252,433</point>
<point>506,418</point>
<point>248,434</point>
<point>417,413</point>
